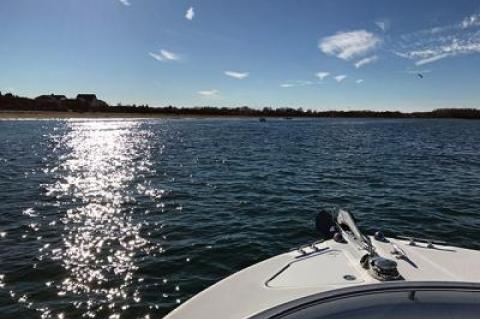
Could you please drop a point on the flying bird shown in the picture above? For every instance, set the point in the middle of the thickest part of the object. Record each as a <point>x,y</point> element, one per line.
<point>420,75</point>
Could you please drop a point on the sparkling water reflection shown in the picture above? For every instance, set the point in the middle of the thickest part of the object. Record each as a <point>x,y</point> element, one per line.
<point>100,237</point>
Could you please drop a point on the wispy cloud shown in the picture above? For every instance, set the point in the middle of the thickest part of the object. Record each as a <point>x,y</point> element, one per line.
<point>436,52</point>
<point>434,44</point>
<point>298,83</point>
<point>417,71</point>
<point>366,61</point>
<point>383,24</point>
<point>432,59</point>
<point>125,2</point>
<point>340,78</point>
<point>359,81</point>
<point>209,93</point>
<point>190,14</point>
<point>322,75</point>
<point>349,45</point>
<point>237,75</point>
<point>471,21</point>
<point>164,56</point>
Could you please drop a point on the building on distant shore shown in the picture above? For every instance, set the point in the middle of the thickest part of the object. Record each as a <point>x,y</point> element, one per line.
<point>51,98</point>
<point>51,102</point>
<point>90,100</point>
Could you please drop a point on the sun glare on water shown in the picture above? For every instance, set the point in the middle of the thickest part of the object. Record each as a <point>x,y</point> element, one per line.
<point>101,237</point>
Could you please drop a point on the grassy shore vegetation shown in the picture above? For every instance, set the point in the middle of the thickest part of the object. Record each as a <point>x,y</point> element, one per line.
<point>87,105</point>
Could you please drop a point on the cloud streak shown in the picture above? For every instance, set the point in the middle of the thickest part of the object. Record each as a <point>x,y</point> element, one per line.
<point>366,61</point>
<point>349,45</point>
<point>432,59</point>
<point>296,84</point>
<point>209,93</point>
<point>237,75</point>
<point>435,44</point>
<point>340,78</point>
<point>416,71</point>
<point>125,2</point>
<point>322,75</point>
<point>471,21</point>
<point>438,51</point>
<point>383,24</point>
<point>190,14</point>
<point>164,56</point>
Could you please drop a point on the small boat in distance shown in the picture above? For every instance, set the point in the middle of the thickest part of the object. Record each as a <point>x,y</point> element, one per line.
<point>262,119</point>
<point>348,275</point>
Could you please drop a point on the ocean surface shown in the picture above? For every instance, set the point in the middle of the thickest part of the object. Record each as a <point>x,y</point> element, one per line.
<point>130,218</point>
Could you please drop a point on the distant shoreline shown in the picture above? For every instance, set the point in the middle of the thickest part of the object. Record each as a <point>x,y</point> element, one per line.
<point>88,106</point>
<point>57,115</point>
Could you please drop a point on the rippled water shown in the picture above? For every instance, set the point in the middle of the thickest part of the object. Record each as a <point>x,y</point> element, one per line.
<point>129,218</point>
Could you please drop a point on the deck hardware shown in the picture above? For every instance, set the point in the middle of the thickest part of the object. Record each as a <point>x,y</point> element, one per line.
<point>349,277</point>
<point>383,269</point>
<point>379,236</point>
<point>423,240</point>
<point>338,238</point>
<point>302,251</point>
<point>398,252</point>
<point>380,268</point>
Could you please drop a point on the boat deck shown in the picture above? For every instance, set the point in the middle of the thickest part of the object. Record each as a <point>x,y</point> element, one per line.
<point>320,268</point>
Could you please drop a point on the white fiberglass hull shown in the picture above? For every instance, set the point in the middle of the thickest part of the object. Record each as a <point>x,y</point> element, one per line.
<point>323,267</point>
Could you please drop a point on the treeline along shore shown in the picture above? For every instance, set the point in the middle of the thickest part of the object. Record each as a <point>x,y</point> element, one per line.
<point>88,103</point>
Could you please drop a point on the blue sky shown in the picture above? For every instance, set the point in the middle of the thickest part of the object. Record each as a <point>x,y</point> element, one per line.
<point>316,54</point>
